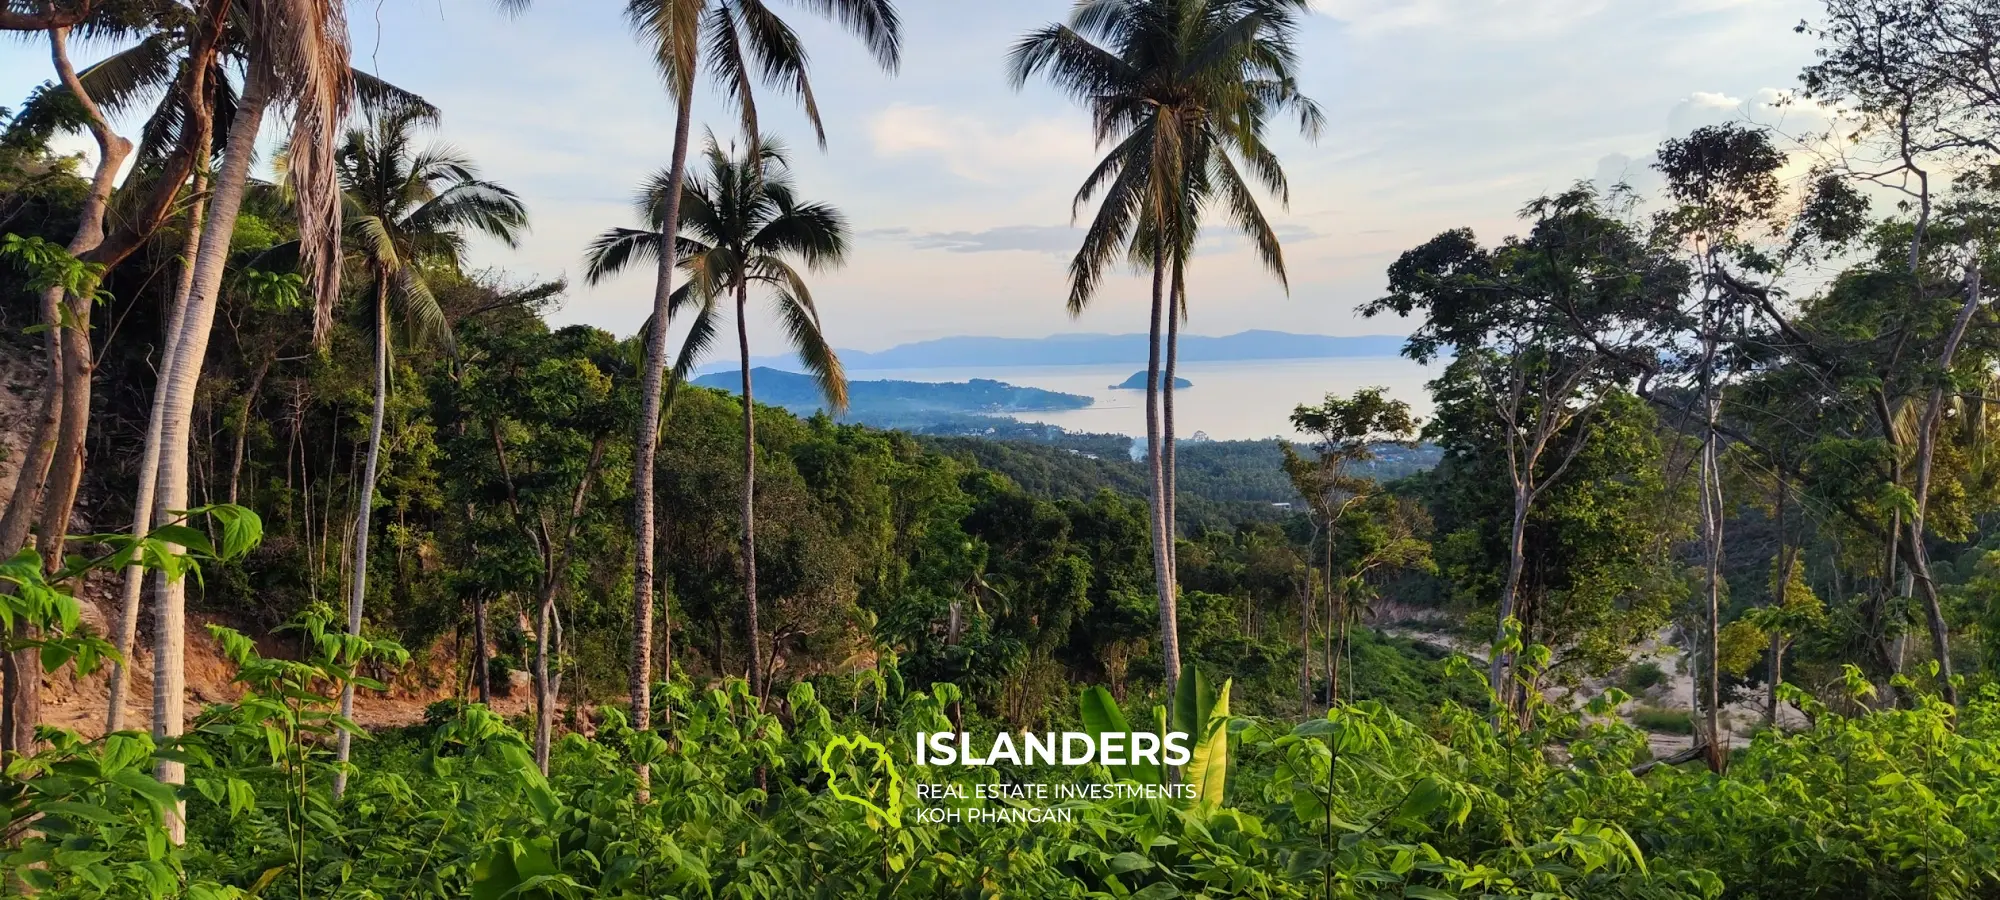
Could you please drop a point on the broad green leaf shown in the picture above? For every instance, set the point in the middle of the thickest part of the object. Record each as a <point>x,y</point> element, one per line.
<point>1208,765</point>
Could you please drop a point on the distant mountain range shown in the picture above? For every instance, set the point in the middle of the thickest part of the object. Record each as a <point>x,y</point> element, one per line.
<point>1096,349</point>
<point>896,403</point>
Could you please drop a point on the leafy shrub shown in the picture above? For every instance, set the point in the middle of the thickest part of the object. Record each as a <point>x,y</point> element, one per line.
<point>1361,802</point>
<point>1665,721</point>
<point>443,712</point>
<point>500,671</point>
<point>1642,677</point>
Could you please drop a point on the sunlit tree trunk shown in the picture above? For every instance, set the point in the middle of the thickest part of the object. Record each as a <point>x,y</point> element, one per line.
<point>648,439</point>
<point>125,633</point>
<point>178,385</point>
<point>1176,305</point>
<point>1163,583</point>
<point>364,510</point>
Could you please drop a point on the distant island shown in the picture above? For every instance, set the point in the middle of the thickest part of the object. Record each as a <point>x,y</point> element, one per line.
<point>897,403</point>
<point>1138,382</point>
<point>1102,349</point>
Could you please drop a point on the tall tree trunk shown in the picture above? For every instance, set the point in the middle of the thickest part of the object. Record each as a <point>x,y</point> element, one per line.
<point>481,663</point>
<point>1163,583</point>
<point>1711,681</point>
<point>1305,631</point>
<point>1332,613</point>
<point>1176,306</point>
<point>1781,582</point>
<point>47,482</point>
<point>749,495</point>
<point>1516,559</point>
<point>545,698</point>
<point>647,446</point>
<point>1777,678</point>
<point>1919,555</point>
<point>364,510</point>
<point>178,385</point>
<point>243,426</point>
<point>20,672</point>
<point>666,654</point>
<point>1711,537</point>
<point>126,631</point>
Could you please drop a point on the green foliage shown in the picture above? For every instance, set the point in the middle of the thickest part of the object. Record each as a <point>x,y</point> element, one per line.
<point>49,265</point>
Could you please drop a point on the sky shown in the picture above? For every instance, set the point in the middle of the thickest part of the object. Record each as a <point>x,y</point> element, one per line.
<point>1440,114</point>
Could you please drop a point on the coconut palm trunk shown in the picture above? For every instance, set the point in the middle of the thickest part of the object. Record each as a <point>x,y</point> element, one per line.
<point>646,450</point>
<point>177,386</point>
<point>363,513</point>
<point>1170,643</point>
<point>749,493</point>
<point>125,635</point>
<point>1176,303</point>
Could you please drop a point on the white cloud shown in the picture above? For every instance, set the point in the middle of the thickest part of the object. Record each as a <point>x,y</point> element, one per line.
<point>1704,108</point>
<point>1505,19</point>
<point>973,148</point>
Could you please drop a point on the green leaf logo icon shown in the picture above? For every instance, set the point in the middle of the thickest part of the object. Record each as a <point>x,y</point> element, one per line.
<point>842,761</point>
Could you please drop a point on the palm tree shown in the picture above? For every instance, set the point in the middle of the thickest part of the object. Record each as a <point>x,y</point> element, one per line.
<point>407,208</point>
<point>738,41</point>
<point>742,224</point>
<point>296,54</point>
<point>1180,90</point>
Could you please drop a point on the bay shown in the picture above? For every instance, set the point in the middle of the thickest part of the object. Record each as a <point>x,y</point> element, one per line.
<point>1238,400</point>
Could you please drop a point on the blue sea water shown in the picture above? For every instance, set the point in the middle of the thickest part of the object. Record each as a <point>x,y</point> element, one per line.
<point>1229,400</point>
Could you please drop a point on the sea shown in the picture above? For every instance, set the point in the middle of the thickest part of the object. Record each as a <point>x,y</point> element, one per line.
<point>1238,400</point>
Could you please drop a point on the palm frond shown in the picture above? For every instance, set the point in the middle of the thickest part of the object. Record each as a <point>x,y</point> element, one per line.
<point>423,319</point>
<point>794,308</point>
<point>381,97</point>
<point>616,249</point>
<point>1107,233</point>
<point>671,29</point>
<point>479,206</point>
<point>1242,207</point>
<point>127,78</point>
<point>873,21</point>
<point>1076,66</point>
<point>781,57</point>
<point>700,337</point>
<point>815,232</point>
<point>305,44</point>
<point>727,61</point>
